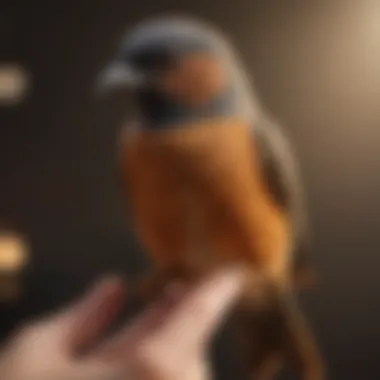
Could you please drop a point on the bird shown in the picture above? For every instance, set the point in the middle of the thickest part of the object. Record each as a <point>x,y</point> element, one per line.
<point>212,179</point>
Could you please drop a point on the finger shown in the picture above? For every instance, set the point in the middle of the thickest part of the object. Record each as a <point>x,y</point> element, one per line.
<point>203,309</point>
<point>89,317</point>
<point>98,370</point>
<point>149,321</point>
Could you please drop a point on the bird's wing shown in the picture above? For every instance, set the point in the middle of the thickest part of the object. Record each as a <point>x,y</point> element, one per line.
<point>282,176</point>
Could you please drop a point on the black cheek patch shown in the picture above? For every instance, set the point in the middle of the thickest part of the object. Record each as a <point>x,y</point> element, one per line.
<point>154,59</point>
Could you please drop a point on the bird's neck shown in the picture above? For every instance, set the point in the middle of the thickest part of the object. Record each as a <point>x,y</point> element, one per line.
<point>162,113</point>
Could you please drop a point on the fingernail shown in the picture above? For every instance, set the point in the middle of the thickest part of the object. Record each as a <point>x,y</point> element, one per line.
<point>237,271</point>
<point>231,278</point>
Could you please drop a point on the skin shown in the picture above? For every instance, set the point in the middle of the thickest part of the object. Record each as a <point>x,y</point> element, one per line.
<point>168,341</point>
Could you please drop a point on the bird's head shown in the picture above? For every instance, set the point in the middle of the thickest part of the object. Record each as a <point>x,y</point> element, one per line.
<point>173,66</point>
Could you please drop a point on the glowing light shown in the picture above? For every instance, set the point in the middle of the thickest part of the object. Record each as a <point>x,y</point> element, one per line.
<point>13,253</point>
<point>14,84</point>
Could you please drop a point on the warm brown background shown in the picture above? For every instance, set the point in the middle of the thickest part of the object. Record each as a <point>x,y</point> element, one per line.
<point>317,67</point>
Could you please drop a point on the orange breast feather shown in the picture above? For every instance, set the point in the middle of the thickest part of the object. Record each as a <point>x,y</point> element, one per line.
<point>209,172</point>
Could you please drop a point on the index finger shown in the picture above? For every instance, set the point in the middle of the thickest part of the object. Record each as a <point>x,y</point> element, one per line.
<point>201,312</point>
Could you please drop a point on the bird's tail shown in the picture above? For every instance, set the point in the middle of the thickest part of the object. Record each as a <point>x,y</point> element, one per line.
<point>278,335</point>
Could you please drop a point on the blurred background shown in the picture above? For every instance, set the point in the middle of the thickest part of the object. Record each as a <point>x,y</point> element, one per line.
<point>63,219</point>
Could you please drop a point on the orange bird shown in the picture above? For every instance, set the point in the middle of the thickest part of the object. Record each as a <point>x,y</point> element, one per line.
<point>212,181</point>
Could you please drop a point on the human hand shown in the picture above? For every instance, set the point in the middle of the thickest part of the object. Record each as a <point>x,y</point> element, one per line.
<point>48,348</point>
<point>168,341</point>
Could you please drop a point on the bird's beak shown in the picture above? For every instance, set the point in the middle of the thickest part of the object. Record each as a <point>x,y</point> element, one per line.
<point>118,75</point>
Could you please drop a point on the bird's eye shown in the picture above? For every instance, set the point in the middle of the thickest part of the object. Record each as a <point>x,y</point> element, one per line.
<point>155,59</point>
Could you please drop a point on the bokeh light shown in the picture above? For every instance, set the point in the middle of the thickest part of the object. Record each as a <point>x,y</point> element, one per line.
<point>13,259</point>
<point>14,84</point>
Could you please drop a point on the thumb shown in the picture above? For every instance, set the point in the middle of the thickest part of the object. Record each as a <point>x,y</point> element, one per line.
<point>89,317</point>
